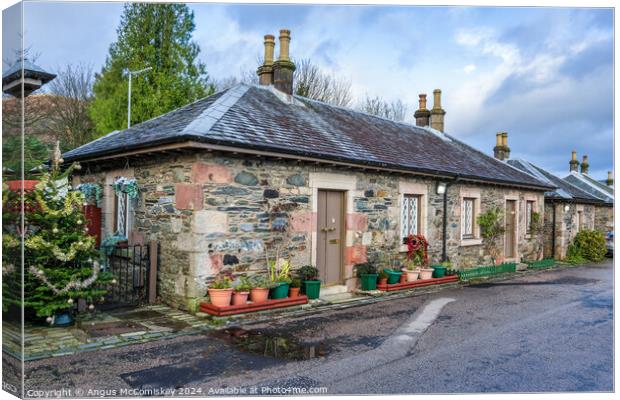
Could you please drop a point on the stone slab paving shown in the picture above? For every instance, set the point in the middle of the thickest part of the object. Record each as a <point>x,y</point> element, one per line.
<point>108,330</point>
<point>103,330</point>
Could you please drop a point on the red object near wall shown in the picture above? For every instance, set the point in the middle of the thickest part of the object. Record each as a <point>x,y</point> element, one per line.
<point>16,186</point>
<point>92,213</point>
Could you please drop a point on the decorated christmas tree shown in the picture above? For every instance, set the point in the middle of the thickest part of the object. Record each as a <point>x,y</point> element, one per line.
<point>60,259</point>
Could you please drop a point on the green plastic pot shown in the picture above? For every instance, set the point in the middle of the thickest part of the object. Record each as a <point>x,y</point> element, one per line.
<point>369,281</point>
<point>439,271</point>
<point>280,291</point>
<point>393,276</point>
<point>312,289</point>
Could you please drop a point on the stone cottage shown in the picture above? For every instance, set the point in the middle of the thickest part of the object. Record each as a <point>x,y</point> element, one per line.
<point>579,177</point>
<point>222,177</point>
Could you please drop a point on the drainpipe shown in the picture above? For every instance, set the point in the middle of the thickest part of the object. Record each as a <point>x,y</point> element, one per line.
<point>553,232</point>
<point>444,234</point>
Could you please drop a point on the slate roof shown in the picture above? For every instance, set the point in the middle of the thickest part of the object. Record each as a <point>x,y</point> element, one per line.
<point>591,186</point>
<point>563,189</point>
<point>262,118</point>
<point>31,70</point>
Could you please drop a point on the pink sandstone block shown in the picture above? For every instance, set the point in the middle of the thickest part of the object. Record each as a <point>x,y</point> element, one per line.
<point>210,173</point>
<point>303,221</point>
<point>188,196</point>
<point>355,254</point>
<point>357,222</point>
<point>217,263</point>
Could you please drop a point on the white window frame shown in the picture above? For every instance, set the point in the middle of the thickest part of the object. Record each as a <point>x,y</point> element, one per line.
<point>406,227</point>
<point>408,188</point>
<point>123,223</point>
<point>530,208</point>
<point>468,232</point>
<point>475,195</point>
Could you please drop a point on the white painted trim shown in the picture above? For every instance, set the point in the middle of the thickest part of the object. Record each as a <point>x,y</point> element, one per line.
<point>471,193</point>
<point>417,189</point>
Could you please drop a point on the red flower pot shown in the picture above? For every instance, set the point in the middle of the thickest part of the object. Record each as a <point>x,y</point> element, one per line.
<point>220,297</point>
<point>293,292</point>
<point>382,281</point>
<point>240,298</point>
<point>259,295</point>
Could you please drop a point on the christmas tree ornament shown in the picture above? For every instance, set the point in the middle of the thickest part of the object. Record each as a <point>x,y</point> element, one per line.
<point>55,230</point>
<point>48,320</point>
<point>79,222</point>
<point>114,281</point>
<point>91,307</point>
<point>70,301</point>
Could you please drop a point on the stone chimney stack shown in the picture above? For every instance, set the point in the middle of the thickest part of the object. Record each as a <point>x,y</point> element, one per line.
<point>422,115</point>
<point>574,164</point>
<point>437,113</point>
<point>283,68</point>
<point>584,165</point>
<point>265,71</point>
<point>610,179</point>
<point>501,151</point>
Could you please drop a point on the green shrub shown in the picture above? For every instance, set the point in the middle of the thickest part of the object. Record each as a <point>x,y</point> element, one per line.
<point>588,245</point>
<point>365,268</point>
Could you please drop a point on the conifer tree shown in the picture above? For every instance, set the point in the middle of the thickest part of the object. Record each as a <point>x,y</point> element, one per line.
<point>60,259</point>
<point>157,36</point>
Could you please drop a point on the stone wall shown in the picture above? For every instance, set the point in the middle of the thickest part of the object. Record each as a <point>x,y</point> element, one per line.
<point>212,212</point>
<point>566,226</point>
<point>604,218</point>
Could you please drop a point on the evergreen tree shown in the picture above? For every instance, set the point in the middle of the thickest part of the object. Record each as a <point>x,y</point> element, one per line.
<point>60,259</point>
<point>157,36</point>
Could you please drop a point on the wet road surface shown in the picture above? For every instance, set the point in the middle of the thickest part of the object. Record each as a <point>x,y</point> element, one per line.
<point>550,331</point>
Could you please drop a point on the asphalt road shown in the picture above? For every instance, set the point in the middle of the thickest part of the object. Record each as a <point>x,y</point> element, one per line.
<point>545,332</point>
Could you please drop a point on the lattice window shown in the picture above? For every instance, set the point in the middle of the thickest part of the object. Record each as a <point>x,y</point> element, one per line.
<point>467,218</point>
<point>410,219</point>
<point>123,214</point>
<point>529,209</point>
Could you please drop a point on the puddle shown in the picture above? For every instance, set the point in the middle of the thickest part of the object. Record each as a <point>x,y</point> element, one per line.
<point>272,345</point>
<point>111,328</point>
<point>569,280</point>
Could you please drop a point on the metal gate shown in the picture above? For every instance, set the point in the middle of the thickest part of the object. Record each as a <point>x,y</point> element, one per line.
<point>135,271</point>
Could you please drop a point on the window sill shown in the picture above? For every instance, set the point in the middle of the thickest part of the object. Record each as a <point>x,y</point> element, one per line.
<point>470,242</point>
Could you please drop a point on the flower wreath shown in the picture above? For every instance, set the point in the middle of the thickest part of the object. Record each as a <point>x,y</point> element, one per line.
<point>417,245</point>
<point>126,185</point>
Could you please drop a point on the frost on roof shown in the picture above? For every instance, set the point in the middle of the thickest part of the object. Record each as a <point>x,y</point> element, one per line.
<point>205,121</point>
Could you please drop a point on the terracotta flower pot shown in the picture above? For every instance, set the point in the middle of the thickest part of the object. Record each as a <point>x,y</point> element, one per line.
<point>259,295</point>
<point>293,292</point>
<point>403,278</point>
<point>240,298</point>
<point>382,281</point>
<point>426,273</point>
<point>412,275</point>
<point>220,297</point>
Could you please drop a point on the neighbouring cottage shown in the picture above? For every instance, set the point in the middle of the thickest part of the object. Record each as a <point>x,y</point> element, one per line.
<point>603,214</point>
<point>219,176</point>
<point>567,210</point>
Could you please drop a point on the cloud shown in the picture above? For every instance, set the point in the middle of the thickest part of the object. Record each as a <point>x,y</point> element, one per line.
<point>469,68</point>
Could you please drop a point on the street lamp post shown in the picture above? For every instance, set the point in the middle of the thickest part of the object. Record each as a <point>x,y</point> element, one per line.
<point>131,73</point>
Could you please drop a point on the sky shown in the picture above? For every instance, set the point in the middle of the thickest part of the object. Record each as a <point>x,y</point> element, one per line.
<point>544,75</point>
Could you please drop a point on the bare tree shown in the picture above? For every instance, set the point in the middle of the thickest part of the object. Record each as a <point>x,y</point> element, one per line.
<point>71,96</point>
<point>309,81</point>
<point>246,76</point>
<point>395,110</point>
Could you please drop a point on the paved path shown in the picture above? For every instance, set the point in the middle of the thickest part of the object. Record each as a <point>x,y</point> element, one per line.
<point>550,331</point>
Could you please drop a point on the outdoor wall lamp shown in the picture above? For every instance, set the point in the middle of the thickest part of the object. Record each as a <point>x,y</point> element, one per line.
<point>566,208</point>
<point>441,187</point>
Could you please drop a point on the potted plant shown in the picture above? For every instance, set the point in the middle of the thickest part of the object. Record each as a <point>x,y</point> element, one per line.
<point>440,270</point>
<point>220,291</point>
<point>412,270</point>
<point>383,277</point>
<point>367,273</point>
<point>417,251</point>
<point>280,276</point>
<point>241,291</point>
<point>260,288</point>
<point>311,286</point>
<point>294,287</point>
